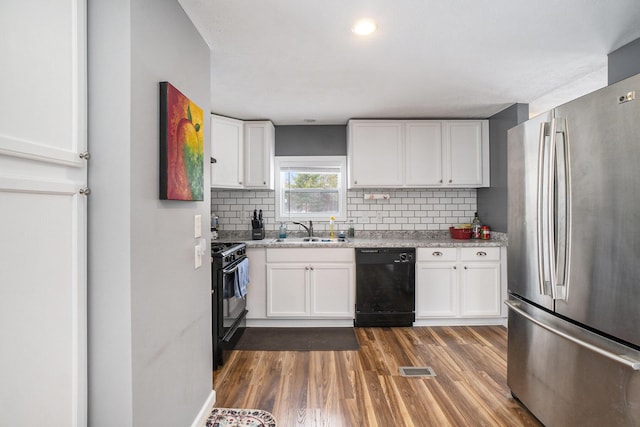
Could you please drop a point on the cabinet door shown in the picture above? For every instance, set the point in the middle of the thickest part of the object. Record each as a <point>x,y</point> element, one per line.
<point>257,295</point>
<point>332,290</point>
<point>376,154</point>
<point>436,289</point>
<point>423,153</point>
<point>480,289</point>
<point>287,290</point>
<point>464,154</point>
<point>258,155</point>
<point>226,149</point>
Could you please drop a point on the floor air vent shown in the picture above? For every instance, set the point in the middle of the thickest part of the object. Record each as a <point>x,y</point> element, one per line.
<point>417,371</point>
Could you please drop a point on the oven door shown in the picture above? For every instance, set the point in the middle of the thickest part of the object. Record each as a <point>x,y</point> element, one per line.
<point>231,309</point>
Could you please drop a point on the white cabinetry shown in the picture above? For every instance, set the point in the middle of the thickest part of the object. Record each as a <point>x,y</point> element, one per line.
<point>257,293</point>
<point>436,283</point>
<point>227,151</point>
<point>466,155</point>
<point>310,283</point>
<point>479,282</point>
<point>423,153</point>
<point>243,153</point>
<point>376,153</point>
<point>418,153</point>
<point>458,284</point>
<point>259,142</point>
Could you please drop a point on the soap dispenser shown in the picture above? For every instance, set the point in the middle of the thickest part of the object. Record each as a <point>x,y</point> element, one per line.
<point>283,231</point>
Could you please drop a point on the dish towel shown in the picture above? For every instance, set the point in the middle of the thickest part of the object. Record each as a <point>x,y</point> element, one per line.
<point>242,279</point>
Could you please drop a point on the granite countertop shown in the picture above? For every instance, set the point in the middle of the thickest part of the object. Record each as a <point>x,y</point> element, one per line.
<point>376,240</point>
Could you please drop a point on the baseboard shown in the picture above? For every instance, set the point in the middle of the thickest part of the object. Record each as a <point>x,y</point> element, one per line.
<point>488,321</point>
<point>202,416</point>
<point>299,323</point>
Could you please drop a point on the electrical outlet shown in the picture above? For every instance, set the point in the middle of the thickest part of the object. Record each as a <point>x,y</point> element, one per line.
<point>197,226</point>
<point>198,257</point>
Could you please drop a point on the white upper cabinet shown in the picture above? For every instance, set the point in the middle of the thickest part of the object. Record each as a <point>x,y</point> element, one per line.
<point>227,147</point>
<point>259,148</point>
<point>423,146</point>
<point>375,153</point>
<point>418,153</point>
<point>243,153</point>
<point>465,152</point>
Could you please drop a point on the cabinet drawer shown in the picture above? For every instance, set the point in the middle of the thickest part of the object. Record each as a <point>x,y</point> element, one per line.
<point>436,254</point>
<point>480,254</point>
<point>312,255</point>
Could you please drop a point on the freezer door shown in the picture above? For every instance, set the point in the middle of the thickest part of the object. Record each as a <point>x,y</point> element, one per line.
<point>602,132</point>
<point>526,240</point>
<point>568,376</point>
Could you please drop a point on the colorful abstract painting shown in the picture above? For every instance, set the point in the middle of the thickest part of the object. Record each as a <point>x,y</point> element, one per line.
<point>181,146</point>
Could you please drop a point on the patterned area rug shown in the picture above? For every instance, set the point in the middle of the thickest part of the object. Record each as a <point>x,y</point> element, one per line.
<point>225,417</point>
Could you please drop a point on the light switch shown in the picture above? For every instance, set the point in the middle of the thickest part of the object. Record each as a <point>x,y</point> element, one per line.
<point>198,257</point>
<point>197,226</point>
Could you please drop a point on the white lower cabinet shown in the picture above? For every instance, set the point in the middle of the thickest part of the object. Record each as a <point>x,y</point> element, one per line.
<point>257,294</point>
<point>310,283</point>
<point>458,283</point>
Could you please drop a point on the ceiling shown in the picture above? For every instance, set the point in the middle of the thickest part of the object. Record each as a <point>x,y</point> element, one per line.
<point>293,61</point>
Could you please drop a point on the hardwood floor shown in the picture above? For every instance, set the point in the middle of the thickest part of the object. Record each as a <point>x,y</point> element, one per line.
<point>365,388</point>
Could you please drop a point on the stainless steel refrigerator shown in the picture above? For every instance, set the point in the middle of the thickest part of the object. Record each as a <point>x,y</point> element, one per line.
<point>574,260</point>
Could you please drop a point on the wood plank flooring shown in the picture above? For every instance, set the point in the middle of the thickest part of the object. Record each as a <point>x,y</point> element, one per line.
<point>365,388</point>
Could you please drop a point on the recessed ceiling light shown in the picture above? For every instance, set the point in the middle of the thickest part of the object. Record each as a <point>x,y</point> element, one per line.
<point>364,27</point>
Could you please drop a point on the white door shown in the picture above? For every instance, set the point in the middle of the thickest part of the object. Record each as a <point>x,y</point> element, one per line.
<point>332,290</point>
<point>258,154</point>
<point>480,289</point>
<point>375,154</point>
<point>227,148</point>
<point>436,289</point>
<point>288,290</point>
<point>43,214</point>
<point>464,152</point>
<point>423,155</point>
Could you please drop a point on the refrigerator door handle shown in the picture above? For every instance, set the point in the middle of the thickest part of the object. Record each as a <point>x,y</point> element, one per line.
<point>550,208</point>
<point>620,358</point>
<point>541,236</point>
<point>562,224</point>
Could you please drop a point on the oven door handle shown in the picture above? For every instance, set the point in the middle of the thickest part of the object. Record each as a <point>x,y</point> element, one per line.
<point>233,267</point>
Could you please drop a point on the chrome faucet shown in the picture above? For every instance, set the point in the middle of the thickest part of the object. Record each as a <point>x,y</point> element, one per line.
<point>309,228</point>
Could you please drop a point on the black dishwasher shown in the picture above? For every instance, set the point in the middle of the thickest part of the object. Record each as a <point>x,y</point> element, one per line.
<point>385,286</point>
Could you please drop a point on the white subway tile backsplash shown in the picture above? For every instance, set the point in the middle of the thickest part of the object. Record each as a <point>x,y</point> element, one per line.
<point>405,210</point>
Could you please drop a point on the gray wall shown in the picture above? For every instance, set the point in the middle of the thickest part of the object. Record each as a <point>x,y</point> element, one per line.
<point>492,201</point>
<point>312,140</point>
<point>149,312</point>
<point>624,62</point>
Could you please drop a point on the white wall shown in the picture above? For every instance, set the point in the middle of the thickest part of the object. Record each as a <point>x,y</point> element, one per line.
<point>149,309</point>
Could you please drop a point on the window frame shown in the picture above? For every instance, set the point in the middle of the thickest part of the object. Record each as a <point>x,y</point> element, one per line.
<point>339,162</point>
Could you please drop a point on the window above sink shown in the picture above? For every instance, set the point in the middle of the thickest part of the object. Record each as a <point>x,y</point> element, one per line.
<point>311,188</point>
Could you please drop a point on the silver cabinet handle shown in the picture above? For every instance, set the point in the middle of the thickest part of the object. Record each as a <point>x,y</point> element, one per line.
<point>450,181</point>
<point>437,253</point>
<point>455,268</point>
<point>481,253</point>
<point>311,268</point>
<point>625,360</point>
<point>465,267</point>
